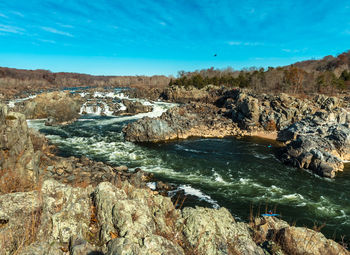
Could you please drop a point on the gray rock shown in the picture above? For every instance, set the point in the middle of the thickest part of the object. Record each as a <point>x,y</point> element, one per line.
<point>43,248</point>
<point>66,211</point>
<point>211,231</point>
<point>150,245</point>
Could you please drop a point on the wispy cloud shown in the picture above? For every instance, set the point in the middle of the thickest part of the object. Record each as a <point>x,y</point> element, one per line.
<point>11,29</point>
<point>3,15</point>
<point>163,23</point>
<point>55,31</point>
<point>47,41</point>
<point>240,43</point>
<point>18,13</point>
<point>65,25</point>
<point>294,50</point>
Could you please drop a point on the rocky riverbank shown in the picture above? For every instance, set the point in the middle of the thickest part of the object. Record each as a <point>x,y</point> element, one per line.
<point>78,206</point>
<point>240,112</point>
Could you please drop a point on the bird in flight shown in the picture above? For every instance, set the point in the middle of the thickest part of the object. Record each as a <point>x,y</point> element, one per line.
<point>215,55</point>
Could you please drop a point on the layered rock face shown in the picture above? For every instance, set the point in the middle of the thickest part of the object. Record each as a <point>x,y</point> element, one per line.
<point>58,106</point>
<point>319,146</point>
<point>16,149</point>
<point>192,120</point>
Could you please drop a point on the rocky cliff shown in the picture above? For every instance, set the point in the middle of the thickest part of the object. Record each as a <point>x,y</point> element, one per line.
<point>16,148</point>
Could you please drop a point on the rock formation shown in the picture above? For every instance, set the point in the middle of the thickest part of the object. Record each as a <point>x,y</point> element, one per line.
<point>192,120</point>
<point>16,148</point>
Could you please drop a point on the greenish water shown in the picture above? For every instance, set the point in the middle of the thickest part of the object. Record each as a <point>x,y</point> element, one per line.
<point>235,173</point>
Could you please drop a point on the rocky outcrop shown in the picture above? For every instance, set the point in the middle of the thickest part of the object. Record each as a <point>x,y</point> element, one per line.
<point>320,143</point>
<point>135,107</point>
<point>60,107</point>
<point>197,120</point>
<point>123,219</point>
<point>16,149</point>
<point>293,240</point>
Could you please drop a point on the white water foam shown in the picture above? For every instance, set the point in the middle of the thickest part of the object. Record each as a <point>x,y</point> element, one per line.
<point>12,103</point>
<point>197,193</point>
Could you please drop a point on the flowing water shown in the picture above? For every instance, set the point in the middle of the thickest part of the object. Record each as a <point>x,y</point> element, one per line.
<point>239,174</point>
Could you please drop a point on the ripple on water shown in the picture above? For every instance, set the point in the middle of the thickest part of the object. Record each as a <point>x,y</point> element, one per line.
<point>226,172</point>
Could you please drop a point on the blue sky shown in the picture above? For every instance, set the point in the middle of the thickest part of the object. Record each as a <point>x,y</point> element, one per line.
<point>135,37</point>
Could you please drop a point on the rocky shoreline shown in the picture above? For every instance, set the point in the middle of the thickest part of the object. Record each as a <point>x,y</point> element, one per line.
<point>316,131</point>
<point>78,206</point>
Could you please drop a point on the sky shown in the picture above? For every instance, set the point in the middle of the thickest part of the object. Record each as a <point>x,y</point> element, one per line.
<point>135,37</point>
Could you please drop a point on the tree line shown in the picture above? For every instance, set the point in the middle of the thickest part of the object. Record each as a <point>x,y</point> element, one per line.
<point>328,75</point>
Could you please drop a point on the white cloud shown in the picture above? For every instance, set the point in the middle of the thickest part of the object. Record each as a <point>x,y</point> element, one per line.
<point>55,31</point>
<point>236,43</point>
<point>163,23</point>
<point>10,29</point>
<point>47,41</point>
<point>295,50</point>
<point>65,25</point>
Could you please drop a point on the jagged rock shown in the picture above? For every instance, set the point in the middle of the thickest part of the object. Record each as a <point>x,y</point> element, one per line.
<point>318,146</point>
<point>135,107</point>
<point>135,217</point>
<point>105,197</point>
<point>16,149</point>
<point>211,231</point>
<point>200,120</point>
<point>296,240</point>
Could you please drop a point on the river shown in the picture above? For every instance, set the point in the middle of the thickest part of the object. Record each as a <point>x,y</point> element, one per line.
<point>242,175</point>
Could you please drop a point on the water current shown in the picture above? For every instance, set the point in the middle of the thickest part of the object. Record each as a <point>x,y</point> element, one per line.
<point>242,175</point>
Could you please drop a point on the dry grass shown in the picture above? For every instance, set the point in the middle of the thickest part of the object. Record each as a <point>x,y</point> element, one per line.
<point>12,181</point>
<point>16,240</point>
<point>82,183</point>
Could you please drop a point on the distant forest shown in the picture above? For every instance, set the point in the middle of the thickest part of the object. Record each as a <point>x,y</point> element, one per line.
<point>15,81</point>
<point>329,75</point>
